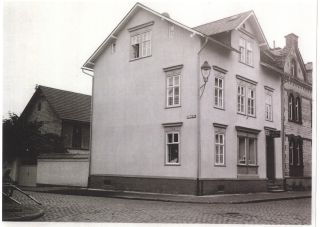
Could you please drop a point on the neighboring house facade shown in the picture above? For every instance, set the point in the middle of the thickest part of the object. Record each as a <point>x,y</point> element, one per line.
<point>158,126</point>
<point>65,114</point>
<point>297,114</point>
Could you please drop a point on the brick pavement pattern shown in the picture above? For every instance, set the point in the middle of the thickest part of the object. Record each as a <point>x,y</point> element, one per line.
<point>72,208</point>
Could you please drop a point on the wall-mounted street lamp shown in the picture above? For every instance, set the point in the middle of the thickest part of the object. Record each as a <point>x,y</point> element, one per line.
<point>205,71</point>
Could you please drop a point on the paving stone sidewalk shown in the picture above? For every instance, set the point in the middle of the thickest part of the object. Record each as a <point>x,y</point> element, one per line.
<point>208,199</point>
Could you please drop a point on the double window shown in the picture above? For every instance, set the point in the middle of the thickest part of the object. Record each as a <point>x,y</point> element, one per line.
<point>294,108</point>
<point>295,156</point>
<point>245,48</point>
<point>246,98</point>
<point>141,45</point>
<point>247,150</point>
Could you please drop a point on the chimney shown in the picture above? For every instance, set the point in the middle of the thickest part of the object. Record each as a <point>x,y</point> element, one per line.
<point>291,40</point>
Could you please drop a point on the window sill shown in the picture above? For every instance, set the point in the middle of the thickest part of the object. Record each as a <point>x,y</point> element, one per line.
<point>269,120</point>
<point>219,108</point>
<point>172,164</point>
<point>135,59</point>
<point>296,122</point>
<point>246,64</point>
<point>247,115</point>
<point>220,165</point>
<point>248,165</point>
<point>170,107</point>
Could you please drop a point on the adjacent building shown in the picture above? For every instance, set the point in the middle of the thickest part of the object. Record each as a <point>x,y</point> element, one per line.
<point>66,114</point>
<point>297,114</point>
<point>162,123</point>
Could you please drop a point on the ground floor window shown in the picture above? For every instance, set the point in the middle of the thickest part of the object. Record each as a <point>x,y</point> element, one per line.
<point>172,143</point>
<point>247,146</point>
<point>295,156</point>
<point>219,144</point>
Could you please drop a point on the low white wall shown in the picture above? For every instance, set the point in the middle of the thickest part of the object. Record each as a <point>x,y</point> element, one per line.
<point>69,172</point>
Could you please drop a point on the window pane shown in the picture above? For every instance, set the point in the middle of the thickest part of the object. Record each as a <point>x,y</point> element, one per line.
<point>252,151</point>
<point>169,138</point>
<point>220,83</point>
<point>176,137</point>
<point>173,153</point>
<point>176,80</point>
<point>216,82</point>
<point>170,81</point>
<point>242,152</point>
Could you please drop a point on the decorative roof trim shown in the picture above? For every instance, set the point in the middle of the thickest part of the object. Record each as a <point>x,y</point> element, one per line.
<point>141,26</point>
<point>217,68</point>
<point>246,80</point>
<point>218,125</point>
<point>259,27</point>
<point>248,130</point>
<point>172,124</point>
<point>171,68</point>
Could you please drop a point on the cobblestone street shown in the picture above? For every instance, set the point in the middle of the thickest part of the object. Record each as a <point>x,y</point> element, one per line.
<point>71,208</point>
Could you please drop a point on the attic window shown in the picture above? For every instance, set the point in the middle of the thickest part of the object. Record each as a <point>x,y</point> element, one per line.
<point>141,45</point>
<point>39,106</point>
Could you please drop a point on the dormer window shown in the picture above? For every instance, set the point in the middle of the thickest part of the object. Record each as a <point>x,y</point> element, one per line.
<point>245,48</point>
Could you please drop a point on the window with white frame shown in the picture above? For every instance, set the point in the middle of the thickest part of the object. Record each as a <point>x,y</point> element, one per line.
<point>220,144</point>
<point>247,150</point>
<point>173,91</point>
<point>251,102</point>
<point>268,106</point>
<point>173,143</point>
<point>241,98</point>
<point>246,96</point>
<point>246,51</point>
<point>173,83</point>
<point>141,45</point>
<point>218,91</point>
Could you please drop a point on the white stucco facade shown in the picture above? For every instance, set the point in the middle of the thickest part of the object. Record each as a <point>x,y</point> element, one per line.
<point>129,106</point>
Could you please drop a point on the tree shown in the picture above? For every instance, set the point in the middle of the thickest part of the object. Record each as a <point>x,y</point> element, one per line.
<point>24,140</point>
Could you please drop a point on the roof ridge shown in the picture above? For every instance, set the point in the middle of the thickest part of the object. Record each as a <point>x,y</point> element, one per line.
<point>78,93</point>
<point>223,18</point>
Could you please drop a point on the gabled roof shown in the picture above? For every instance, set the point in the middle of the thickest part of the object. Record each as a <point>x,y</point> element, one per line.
<point>222,25</point>
<point>66,104</point>
<point>231,23</point>
<point>89,64</point>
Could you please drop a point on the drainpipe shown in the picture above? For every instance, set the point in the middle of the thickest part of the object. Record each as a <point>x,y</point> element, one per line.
<point>282,129</point>
<point>84,70</point>
<point>199,188</point>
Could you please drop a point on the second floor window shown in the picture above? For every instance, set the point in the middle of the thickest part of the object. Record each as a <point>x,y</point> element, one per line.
<point>241,99</point>
<point>141,45</point>
<point>251,102</point>
<point>172,151</point>
<point>294,108</point>
<point>246,51</point>
<point>173,91</point>
<point>218,92</point>
<point>268,107</point>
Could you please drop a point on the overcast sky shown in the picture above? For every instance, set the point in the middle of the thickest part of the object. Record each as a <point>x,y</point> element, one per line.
<point>47,42</point>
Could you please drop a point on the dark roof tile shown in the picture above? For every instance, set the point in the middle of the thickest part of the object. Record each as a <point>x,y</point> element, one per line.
<point>68,105</point>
